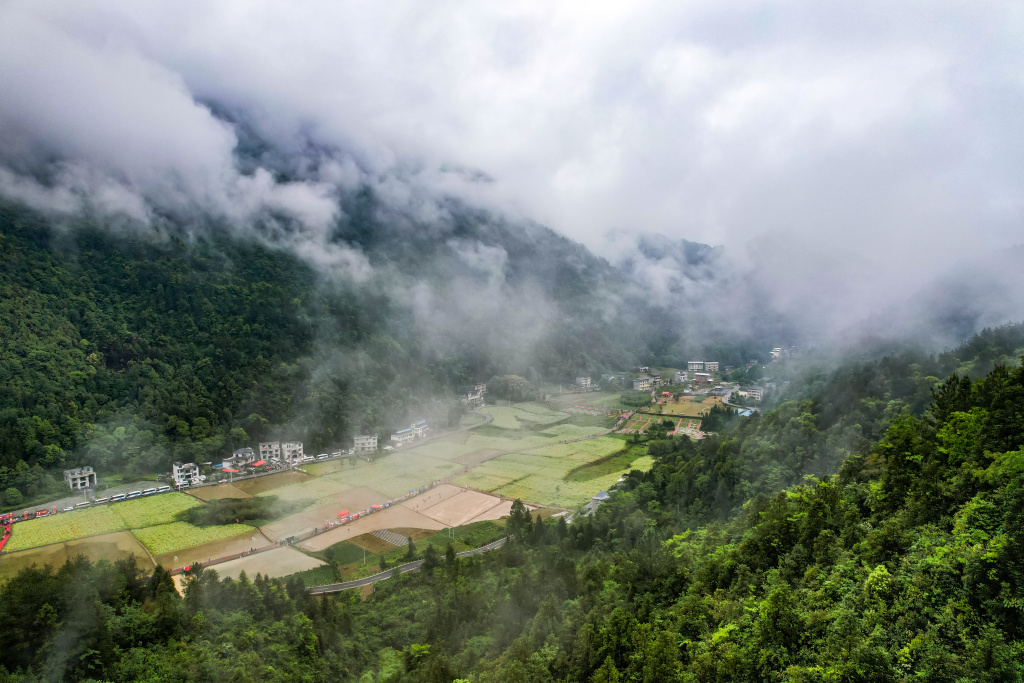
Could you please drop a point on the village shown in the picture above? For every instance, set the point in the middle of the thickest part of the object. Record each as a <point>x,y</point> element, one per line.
<point>375,493</point>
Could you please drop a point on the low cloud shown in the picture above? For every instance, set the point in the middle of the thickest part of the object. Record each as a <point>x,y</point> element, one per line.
<point>845,157</point>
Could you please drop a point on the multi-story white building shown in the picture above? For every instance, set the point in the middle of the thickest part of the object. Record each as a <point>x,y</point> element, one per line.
<point>402,437</point>
<point>270,451</point>
<point>711,365</point>
<point>695,365</point>
<point>419,429</point>
<point>583,383</point>
<point>366,443</point>
<point>682,376</point>
<point>641,383</point>
<point>754,393</point>
<point>291,450</point>
<point>80,478</point>
<point>185,473</point>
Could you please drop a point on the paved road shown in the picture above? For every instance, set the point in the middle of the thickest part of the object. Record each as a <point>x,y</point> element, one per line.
<point>338,587</point>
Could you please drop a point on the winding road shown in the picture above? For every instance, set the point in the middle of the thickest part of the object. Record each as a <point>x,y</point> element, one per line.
<point>401,569</point>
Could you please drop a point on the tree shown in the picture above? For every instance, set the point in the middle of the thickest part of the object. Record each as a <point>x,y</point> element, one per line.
<point>410,553</point>
<point>12,497</point>
<point>449,555</point>
<point>430,558</point>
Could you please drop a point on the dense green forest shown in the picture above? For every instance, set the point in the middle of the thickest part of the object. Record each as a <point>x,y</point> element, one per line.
<point>129,348</point>
<point>851,536</point>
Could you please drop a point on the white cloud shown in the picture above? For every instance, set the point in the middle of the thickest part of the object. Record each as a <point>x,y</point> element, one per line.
<point>883,134</point>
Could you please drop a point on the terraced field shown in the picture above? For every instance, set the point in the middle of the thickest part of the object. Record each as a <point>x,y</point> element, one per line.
<point>535,475</point>
<point>66,526</point>
<point>540,489</point>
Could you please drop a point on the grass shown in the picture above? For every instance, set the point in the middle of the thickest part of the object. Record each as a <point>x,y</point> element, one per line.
<point>318,576</point>
<point>65,526</point>
<point>153,510</point>
<point>167,538</point>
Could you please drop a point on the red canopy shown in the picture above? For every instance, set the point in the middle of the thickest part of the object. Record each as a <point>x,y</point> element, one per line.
<point>228,469</point>
<point>259,462</point>
<point>343,513</point>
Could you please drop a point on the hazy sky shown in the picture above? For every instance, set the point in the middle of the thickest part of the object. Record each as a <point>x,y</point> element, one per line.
<point>822,141</point>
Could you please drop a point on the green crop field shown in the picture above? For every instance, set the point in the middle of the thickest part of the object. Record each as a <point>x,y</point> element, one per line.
<point>540,489</point>
<point>524,416</point>
<point>168,538</point>
<point>153,510</point>
<point>533,476</point>
<point>66,526</point>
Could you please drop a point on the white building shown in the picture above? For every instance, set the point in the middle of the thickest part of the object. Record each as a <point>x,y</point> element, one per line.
<point>419,429</point>
<point>777,353</point>
<point>366,443</point>
<point>185,473</point>
<point>695,365</point>
<point>583,383</point>
<point>641,383</point>
<point>475,395</point>
<point>80,478</point>
<point>402,437</point>
<point>270,451</point>
<point>291,450</point>
<point>711,365</point>
<point>754,393</point>
<point>244,455</point>
<point>682,376</point>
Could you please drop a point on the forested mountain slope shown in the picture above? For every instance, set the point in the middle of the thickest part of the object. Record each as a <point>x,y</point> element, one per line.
<point>906,565</point>
<point>132,346</point>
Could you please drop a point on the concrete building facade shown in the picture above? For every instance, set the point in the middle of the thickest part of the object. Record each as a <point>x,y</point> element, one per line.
<point>695,365</point>
<point>80,478</point>
<point>711,365</point>
<point>185,473</point>
<point>366,443</point>
<point>641,383</point>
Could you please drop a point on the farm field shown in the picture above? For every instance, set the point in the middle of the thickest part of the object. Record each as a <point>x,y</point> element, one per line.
<point>112,547</point>
<point>535,475</point>
<point>524,416</point>
<point>273,563</point>
<point>218,492</point>
<point>538,489</point>
<point>353,500</point>
<point>311,488</point>
<point>391,475</point>
<point>461,508</point>
<point>260,485</point>
<point>218,548</point>
<point>154,510</point>
<point>66,526</point>
<point>167,538</point>
<point>604,400</point>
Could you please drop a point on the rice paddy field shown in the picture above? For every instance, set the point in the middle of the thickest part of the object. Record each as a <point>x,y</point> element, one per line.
<point>525,416</point>
<point>66,526</point>
<point>180,535</point>
<point>537,488</point>
<point>153,510</point>
<point>535,476</point>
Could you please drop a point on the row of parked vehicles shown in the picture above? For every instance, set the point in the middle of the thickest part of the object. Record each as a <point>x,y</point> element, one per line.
<point>117,498</point>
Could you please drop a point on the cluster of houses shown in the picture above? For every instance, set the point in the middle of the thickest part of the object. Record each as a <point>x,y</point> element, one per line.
<point>654,379</point>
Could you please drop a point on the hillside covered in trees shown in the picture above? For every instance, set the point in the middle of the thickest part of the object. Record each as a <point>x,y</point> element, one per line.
<point>131,348</point>
<point>851,536</point>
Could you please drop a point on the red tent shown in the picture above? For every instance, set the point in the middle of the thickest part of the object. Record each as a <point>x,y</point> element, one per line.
<point>259,462</point>
<point>343,513</point>
<point>228,469</point>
